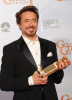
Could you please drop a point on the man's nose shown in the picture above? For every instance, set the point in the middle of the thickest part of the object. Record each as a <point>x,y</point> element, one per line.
<point>31,23</point>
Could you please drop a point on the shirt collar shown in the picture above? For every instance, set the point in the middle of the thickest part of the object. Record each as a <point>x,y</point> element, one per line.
<point>28,40</point>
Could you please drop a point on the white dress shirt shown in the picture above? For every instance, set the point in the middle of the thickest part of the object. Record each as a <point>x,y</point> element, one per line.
<point>34,47</point>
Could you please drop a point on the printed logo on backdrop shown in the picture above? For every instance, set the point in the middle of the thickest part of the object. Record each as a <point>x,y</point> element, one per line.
<point>5,27</point>
<point>66,97</point>
<point>29,2</point>
<point>52,23</point>
<point>64,47</point>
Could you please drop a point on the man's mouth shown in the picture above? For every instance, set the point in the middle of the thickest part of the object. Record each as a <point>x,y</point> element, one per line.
<point>30,27</point>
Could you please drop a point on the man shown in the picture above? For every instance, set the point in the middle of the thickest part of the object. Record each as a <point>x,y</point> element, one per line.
<point>22,58</point>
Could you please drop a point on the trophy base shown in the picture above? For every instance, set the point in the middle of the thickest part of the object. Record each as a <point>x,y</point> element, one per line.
<point>49,70</point>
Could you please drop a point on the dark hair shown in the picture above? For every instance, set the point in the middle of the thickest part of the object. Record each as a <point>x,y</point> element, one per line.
<point>24,9</point>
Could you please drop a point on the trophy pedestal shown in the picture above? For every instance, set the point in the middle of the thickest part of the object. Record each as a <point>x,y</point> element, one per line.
<point>49,70</point>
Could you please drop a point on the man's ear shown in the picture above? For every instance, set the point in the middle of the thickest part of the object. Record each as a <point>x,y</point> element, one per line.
<point>19,26</point>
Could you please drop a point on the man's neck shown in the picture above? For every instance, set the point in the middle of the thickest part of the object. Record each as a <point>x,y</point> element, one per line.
<point>32,38</point>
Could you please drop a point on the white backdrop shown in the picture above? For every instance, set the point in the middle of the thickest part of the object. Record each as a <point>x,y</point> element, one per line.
<point>55,24</point>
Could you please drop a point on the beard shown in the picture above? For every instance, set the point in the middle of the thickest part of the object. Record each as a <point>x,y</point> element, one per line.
<point>31,32</point>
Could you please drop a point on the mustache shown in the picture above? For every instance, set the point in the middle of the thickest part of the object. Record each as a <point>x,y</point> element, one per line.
<point>30,27</point>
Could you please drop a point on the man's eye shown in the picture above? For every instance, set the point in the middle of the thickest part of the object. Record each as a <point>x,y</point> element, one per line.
<point>34,20</point>
<point>26,20</point>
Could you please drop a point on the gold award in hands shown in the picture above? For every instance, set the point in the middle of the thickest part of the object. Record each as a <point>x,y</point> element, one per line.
<point>51,68</point>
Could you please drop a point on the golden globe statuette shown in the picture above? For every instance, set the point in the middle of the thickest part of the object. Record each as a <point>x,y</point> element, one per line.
<point>51,68</point>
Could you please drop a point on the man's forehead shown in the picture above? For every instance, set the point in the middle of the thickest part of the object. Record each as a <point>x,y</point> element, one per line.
<point>28,15</point>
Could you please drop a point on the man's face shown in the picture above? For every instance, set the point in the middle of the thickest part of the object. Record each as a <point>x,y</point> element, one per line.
<point>29,24</point>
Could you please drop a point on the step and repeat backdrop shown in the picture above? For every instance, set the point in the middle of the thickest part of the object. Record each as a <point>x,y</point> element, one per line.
<point>55,24</point>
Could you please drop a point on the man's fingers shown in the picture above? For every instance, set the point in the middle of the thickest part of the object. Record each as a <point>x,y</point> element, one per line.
<point>41,75</point>
<point>39,78</point>
<point>44,82</point>
<point>65,57</point>
<point>60,65</point>
<point>36,74</point>
<point>69,62</point>
<point>39,81</point>
<point>44,79</point>
<point>66,63</point>
<point>63,63</point>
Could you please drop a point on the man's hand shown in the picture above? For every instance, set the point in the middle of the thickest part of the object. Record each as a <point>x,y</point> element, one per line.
<point>39,79</point>
<point>63,63</point>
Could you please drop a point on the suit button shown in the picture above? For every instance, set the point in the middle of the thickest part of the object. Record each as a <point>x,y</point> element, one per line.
<point>41,89</point>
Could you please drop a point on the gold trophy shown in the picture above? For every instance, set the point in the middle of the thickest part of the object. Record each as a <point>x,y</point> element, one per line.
<point>51,68</point>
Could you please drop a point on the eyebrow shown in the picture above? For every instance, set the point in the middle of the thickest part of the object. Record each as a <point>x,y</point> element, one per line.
<point>32,19</point>
<point>26,19</point>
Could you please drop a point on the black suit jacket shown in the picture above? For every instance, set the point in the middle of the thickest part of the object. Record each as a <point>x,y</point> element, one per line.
<point>18,64</point>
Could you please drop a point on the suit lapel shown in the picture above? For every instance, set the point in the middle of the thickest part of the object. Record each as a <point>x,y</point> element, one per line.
<point>43,52</point>
<point>25,51</point>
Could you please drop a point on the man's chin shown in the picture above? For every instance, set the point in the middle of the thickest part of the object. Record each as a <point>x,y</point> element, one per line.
<point>31,33</point>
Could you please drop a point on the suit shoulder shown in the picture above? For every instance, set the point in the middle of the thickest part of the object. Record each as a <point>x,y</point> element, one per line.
<point>48,41</point>
<point>10,46</point>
